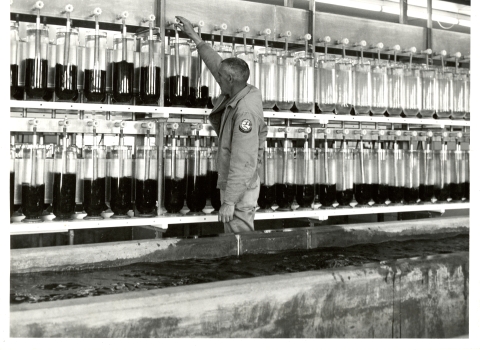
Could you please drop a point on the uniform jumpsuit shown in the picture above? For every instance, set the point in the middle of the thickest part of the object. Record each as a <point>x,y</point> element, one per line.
<point>241,129</point>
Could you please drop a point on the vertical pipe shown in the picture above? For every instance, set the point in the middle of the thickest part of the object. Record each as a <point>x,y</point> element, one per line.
<point>311,30</point>
<point>403,19</point>
<point>159,141</point>
<point>160,22</point>
<point>429,24</point>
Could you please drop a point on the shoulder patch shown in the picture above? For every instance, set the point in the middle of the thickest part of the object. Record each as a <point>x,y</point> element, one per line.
<point>245,126</point>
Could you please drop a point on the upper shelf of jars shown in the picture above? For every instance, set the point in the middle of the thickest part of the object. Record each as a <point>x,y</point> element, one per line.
<point>126,77</point>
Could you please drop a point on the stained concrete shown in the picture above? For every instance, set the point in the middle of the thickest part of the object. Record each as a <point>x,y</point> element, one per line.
<point>420,297</point>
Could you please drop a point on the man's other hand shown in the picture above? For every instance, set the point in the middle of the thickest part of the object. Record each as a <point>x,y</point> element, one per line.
<point>225,214</point>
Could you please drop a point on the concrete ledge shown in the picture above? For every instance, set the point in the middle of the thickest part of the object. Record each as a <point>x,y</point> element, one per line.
<point>104,255</point>
<point>410,298</point>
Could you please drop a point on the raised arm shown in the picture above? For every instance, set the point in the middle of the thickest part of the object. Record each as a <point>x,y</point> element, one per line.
<point>211,58</point>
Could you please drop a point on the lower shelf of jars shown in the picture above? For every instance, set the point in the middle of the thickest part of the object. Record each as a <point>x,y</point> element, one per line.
<point>48,225</point>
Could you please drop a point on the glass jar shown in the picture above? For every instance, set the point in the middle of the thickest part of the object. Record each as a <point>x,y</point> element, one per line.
<point>33,182</point>
<point>412,177</point>
<point>429,92</point>
<point>36,65</point>
<point>52,63</point>
<point>179,80</point>
<point>325,176</point>
<point>363,176</point>
<point>268,77</point>
<point>412,91</point>
<point>213,192</point>
<point>396,179</point>
<point>146,180</point>
<point>123,68</point>
<point>285,77</point>
<point>304,90</point>
<point>266,198</point>
<point>396,89</point>
<point>325,93</point>
<point>443,175</point>
<point>459,170</point>
<point>13,58</point>
<point>427,176</point>
<point>150,70</point>
<point>344,86</point>
<point>119,179</point>
<point>362,87</point>
<point>345,173</point>
<point>66,68</point>
<point>12,179</point>
<point>444,93</point>
<point>380,178</point>
<point>459,90</point>
<point>175,178</point>
<point>196,179</point>
<point>95,75</point>
<point>94,185</point>
<point>285,188</point>
<point>64,182</point>
<point>379,88</point>
<point>205,84</point>
<point>305,177</point>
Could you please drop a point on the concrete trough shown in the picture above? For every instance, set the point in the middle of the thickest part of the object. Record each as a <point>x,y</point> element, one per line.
<point>408,298</point>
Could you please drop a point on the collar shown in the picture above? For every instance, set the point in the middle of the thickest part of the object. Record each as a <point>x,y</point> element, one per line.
<point>241,94</point>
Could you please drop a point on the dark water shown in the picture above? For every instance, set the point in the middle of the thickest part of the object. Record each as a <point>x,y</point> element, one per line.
<point>36,78</point>
<point>344,198</point>
<point>94,196</point>
<point>32,200</point>
<point>66,82</point>
<point>150,85</point>
<point>443,193</point>
<point>305,195</point>
<point>122,81</point>
<point>39,287</point>
<point>120,194</point>
<point>266,197</point>
<point>196,192</point>
<point>214,192</point>
<point>467,190</point>
<point>95,85</point>
<point>12,189</point>
<point>410,195</point>
<point>13,79</point>
<point>457,191</point>
<point>395,194</point>
<point>179,90</point>
<point>379,193</point>
<point>284,195</point>
<point>326,194</point>
<point>426,193</point>
<point>64,195</point>
<point>174,194</point>
<point>146,196</point>
<point>363,193</point>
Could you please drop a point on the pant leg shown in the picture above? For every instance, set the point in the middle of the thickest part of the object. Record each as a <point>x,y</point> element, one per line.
<point>244,214</point>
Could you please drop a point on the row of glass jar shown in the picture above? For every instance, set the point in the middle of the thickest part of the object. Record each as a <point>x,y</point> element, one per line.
<point>377,176</point>
<point>90,176</point>
<point>39,68</point>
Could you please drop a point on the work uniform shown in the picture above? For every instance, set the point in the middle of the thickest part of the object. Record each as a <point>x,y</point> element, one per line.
<point>241,130</point>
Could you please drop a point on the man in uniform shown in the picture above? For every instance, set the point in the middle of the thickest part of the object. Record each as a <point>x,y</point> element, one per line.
<point>237,118</point>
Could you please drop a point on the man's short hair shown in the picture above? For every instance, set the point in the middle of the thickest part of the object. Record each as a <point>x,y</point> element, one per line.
<point>238,68</point>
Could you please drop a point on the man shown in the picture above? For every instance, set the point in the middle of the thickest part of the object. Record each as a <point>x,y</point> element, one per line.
<point>237,118</point>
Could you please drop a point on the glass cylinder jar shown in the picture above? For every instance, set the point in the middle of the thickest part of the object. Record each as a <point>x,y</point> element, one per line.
<point>412,91</point>
<point>379,88</point>
<point>304,90</point>
<point>146,180</point>
<point>225,51</point>
<point>52,63</point>
<point>344,86</point>
<point>95,68</point>
<point>175,178</point>
<point>325,88</point>
<point>212,180</point>
<point>66,68</point>
<point>285,77</point>
<point>443,175</point>
<point>396,89</point>
<point>427,176</point>
<point>33,182</point>
<point>268,77</point>
<point>119,179</point>
<point>205,84</point>
<point>459,171</point>
<point>150,70</point>
<point>459,89</point>
<point>396,179</point>
<point>467,97</point>
<point>48,176</point>
<point>363,176</point>
<point>429,91</point>
<point>179,80</point>
<point>380,177</point>
<point>22,54</point>
<point>466,195</point>
<point>12,179</point>
<point>123,68</point>
<point>94,185</point>
<point>13,58</point>
<point>196,179</point>
<point>247,54</point>
<point>325,176</point>
<point>36,65</point>
<point>19,173</point>
<point>266,198</point>
<point>285,189</point>
<point>305,177</point>
<point>412,177</point>
<point>345,173</point>
<point>362,87</point>
<point>444,93</point>
<point>64,182</point>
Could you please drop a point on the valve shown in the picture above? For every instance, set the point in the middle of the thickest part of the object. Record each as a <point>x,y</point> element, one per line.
<point>265,32</point>
<point>427,133</point>
<point>395,133</point>
<point>457,135</point>
<point>148,125</point>
<point>395,48</point>
<point>426,52</point>
<point>305,37</point>
<point>150,18</point>
<point>63,122</point>
<point>123,15</point>
<point>360,132</point>
<point>325,39</point>
<point>93,123</point>
<point>68,8</point>
<point>441,134</point>
<point>33,122</point>
<point>245,29</point>
<point>456,55</point>
<point>38,5</point>
<point>287,34</point>
<point>120,124</point>
<point>344,41</point>
<point>412,50</point>
<point>362,43</point>
<point>343,131</point>
<point>173,126</point>
<point>221,27</point>
<point>96,12</point>
<point>378,132</point>
<point>307,130</point>
<point>378,46</point>
<point>410,133</point>
<point>286,129</point>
